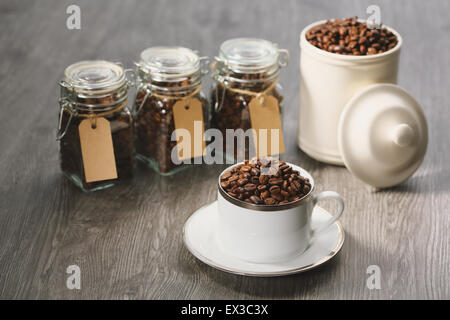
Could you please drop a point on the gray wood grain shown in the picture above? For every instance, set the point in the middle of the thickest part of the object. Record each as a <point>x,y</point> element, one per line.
<point>127,240</point>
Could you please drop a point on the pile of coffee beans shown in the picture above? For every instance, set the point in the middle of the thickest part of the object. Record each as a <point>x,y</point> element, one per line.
<point>71,159</point>
<point>351,37</point>
<point>155,122</point>
<point>265,181</point>
<point>233,107</point>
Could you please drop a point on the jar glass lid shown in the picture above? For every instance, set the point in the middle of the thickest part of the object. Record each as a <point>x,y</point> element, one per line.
<point>248,53</point>
<point>166,61</point>
<point>94,75</point>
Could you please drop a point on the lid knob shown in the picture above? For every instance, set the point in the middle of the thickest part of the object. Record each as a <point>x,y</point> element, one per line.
<point>403,135</point>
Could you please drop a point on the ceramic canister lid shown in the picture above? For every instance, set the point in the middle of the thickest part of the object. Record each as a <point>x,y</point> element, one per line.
<point>382,135</point>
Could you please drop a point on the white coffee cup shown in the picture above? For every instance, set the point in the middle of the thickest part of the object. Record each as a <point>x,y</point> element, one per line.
<point>267,234</point>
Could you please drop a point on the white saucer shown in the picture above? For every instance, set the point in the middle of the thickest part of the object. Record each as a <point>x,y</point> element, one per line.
<point>199,238</point>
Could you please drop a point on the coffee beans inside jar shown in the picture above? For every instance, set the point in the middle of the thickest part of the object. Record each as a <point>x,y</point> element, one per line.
<point>265,181</point>
<point>93,91</point>
<point>245,69</point>
<point>166,76</point>
<point>351,37</point>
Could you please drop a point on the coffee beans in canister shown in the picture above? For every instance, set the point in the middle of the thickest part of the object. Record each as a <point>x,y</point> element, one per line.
<point>351,37</point>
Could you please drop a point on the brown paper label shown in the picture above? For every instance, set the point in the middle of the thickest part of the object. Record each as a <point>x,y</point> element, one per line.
<point>97,150</point>
<point>188,115</point>
<point>266,122</point>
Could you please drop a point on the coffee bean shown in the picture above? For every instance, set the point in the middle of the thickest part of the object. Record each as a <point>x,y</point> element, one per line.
<point>371,51</point>
<point>256,199</point>
<point>250,187</point>
<point>297,184</point>
<point>224,184</point>
<point>287,170</point>
<point>362,49</point>
<point>254,180</point>
<point>239,190</point>
<point>273,181</point>
<point>233,178</point>
<point>262,187</point>
<point>270,201</point>
<point>263,179</point>
<point>225,175</point>
<point>254,171</point>
<point>242,182</point>
<point>265,194</point>
<point>306,188</point>
<point>291,191</point>
<point>277,196</point>
<point>274,189</point>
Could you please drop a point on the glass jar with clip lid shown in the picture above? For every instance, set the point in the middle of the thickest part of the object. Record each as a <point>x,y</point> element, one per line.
<point>169,99</point>
<point>247,95</point>
<point>95,126</point>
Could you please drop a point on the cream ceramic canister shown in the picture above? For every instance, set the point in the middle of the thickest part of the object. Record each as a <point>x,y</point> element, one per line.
<point>327,83</point>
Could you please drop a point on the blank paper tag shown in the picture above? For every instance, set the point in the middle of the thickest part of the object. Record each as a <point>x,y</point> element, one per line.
<point>266,122</point>
<point>97,150</point>
<point>188,115</point>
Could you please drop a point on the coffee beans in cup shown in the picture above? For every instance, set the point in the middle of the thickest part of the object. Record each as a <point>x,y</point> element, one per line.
<point>265,181</point>
<point>351,37</point>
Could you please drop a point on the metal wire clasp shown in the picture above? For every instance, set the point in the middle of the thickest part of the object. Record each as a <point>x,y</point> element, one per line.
<point>220,64</point>
<point>130,75</point>
<point>283,58</point>
<point>204,65</point>
<point>66,103</point>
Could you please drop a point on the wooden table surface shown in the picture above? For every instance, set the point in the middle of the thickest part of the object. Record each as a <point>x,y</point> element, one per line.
<point>127,239</point>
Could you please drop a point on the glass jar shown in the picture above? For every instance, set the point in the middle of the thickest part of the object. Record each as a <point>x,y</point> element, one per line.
<point>245,68</point>
<point>166,75</point>
<point>94,91</point>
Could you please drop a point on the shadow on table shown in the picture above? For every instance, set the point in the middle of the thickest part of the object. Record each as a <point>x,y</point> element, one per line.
<point>273,287</point>
<point>434,181</point>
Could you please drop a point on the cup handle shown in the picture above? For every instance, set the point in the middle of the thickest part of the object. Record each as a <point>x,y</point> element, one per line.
<point>331,195</point>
